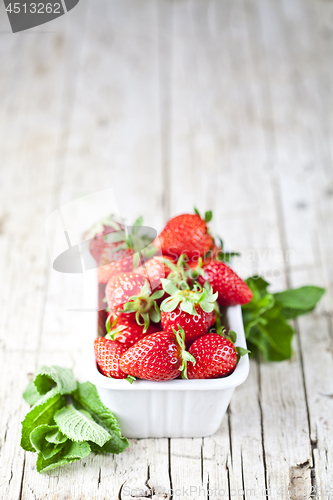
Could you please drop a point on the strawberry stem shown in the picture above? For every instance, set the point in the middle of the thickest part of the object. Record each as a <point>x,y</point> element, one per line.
<point>185,356</point>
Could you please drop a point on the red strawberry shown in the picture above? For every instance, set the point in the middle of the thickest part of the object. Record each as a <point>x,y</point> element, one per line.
<point>98,231</point>
<point>108,354</point>
<point>190,309</point>
<point>213,319</point>
<point>186,234</point>
<point>215,357</point>
<point>122,263</point>
<point>102,317</point>
<point>121,288</point>
<point>155,269</point>
<point>126,332</point>
<point>116,250</point>
<point>193,325</point>
<point>232,290</point>
<point>130,294</point>
<point>159,356</point>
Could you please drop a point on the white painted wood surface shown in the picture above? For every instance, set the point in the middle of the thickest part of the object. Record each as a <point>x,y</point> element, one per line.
<point>225,104</point>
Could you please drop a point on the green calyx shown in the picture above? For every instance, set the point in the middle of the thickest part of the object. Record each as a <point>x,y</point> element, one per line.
<point>111,335</point>
<point>232,337</point>
<point>112,329</point>
<point>179,271</point>
<point>187,299</point>
<point>99,227</point>
<point>195,272</point>
<point>138,243</point>
<point>129,378</point>
<point>185,356</point>
<point>225,256</point>
<point>208,215</point>
<point>108,325</point>
<point>144,306</point>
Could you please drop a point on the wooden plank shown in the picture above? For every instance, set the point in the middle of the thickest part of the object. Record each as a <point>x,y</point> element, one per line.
<point>222,118</point>
<point>315,337</point>
<point>115,135</point>
<point>285,436</point>
<point>33,91</point>
<point>298,188</point>
<point>115,127</point>
<point>192,175</point>
<point>208,155</point>
<point>15,367</point>
<point>319,119</point>
<point>33,76</point>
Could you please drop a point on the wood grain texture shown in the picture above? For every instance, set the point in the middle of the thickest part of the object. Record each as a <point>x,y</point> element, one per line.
<point>226,105</point>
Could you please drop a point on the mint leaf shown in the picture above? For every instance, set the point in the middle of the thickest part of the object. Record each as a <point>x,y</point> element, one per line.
<point>62,433</point>
<point>31,395</point>
<point>41,413</point>
<point>299,301</point>
<point>55,436</point>
<point>279,334</point>
<point>261,302</point>
<point>259,283</point>
<point>265,317</point>
<point>40,443</point>
<point>55,377</point>
<point>78,425</point>
<point>51,382</point>
<point>86,397</point>
<point>273,338</point>
<point>70,453</point>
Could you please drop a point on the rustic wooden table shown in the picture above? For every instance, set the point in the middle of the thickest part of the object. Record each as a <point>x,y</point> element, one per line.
<point>225,104</point>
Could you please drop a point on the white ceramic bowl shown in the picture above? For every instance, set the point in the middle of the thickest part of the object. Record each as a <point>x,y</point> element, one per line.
<point>178,408</point>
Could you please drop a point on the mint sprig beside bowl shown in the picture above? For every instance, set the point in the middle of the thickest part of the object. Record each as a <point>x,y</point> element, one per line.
<point>67,420</point>
<point>266,318</point>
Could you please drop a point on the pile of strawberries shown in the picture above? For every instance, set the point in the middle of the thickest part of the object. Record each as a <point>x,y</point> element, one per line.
<point>164,300</point>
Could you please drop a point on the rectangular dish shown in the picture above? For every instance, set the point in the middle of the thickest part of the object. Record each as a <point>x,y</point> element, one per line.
<point>178,408</point>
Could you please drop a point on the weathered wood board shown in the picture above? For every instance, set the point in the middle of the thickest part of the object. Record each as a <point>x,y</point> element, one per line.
<point>221,104</point>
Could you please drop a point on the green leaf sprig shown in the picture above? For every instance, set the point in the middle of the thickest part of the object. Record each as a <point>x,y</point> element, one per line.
<point>266,317</point>
<point>67,420</point>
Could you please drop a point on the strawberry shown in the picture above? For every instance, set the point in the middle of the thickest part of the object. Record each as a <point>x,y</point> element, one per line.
<point>188,234</point>
<point>126,332</point>
<point>130,294</point>
<point>121,288</point>
<point>108,354</point>
<point>159,356</point>
<point>107,268</point>
<point>213,318</point>
<point>192,310</point>
<point>97,234</point>
<point>215,355</point>
<point>117,250</point>
<point>231,289</point>
<point>101,319</point>
<point>155,269</point>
